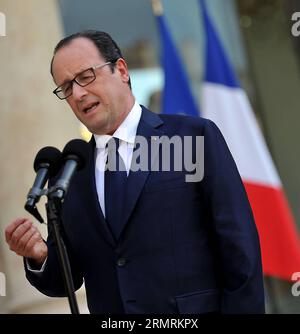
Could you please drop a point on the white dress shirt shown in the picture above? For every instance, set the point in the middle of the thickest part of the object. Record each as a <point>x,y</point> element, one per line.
<point>126,132</point>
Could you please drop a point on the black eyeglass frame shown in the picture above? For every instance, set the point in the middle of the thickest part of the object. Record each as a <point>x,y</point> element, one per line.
<point>58,89</point>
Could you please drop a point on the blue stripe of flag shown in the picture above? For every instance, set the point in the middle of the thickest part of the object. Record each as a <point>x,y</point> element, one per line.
<point>177,97</point>
<point>217,67</point>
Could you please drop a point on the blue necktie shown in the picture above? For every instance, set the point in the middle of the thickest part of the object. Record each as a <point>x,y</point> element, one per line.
<point>115,185</point>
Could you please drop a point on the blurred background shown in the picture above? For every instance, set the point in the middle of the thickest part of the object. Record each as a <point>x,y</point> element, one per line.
<point>257,36</point>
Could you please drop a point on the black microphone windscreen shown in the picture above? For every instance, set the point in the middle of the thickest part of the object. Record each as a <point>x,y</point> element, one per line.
<point>78,148</point>
<point>50,155</point>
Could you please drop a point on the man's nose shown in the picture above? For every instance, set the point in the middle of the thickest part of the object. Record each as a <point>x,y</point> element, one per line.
<point>78,92</point>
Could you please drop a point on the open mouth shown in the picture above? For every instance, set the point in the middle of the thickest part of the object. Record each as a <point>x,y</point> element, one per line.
<point>91,107</point>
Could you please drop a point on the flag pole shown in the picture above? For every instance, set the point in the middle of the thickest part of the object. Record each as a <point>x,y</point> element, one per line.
<point>157,7</point>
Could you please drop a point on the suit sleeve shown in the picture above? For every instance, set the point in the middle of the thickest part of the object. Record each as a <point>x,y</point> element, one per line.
<point>235,234</point>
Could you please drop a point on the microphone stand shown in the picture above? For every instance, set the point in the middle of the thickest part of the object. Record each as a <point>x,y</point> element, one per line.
<point>53,207</point>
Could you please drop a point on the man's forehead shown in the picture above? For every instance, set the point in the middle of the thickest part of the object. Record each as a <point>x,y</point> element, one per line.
<point>78,48</point>
<point>75,57</point>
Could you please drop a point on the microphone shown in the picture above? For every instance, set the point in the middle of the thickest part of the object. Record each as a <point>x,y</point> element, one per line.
<point>75,155</point>
<point>46,164</point>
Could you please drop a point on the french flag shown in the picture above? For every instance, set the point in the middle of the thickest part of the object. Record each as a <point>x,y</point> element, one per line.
<point>225,102</point>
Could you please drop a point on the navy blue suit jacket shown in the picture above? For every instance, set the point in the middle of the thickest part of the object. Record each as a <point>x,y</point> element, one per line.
<point>185,247</point>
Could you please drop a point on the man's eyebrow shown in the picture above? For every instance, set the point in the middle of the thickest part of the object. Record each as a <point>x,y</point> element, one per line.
<point>75,74</point>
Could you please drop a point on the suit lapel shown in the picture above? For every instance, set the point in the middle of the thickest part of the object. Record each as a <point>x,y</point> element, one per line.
<point>147,128</point>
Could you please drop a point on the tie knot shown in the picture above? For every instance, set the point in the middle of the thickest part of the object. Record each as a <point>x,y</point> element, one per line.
<point>114,161</point>
<point>113,144</point>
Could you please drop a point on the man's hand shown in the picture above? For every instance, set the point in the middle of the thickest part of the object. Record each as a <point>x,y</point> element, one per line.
<point>26,240</point>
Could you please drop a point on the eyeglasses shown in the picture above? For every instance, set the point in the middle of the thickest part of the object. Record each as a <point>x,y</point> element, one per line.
<point>82,79</point>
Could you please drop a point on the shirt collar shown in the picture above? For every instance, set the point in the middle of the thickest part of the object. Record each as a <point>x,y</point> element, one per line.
<point>126,131</point>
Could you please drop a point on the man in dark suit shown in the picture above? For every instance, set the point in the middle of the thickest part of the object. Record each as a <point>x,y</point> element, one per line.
<point>159,244</point>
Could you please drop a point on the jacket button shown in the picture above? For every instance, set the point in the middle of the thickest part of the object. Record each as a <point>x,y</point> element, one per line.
<point>121,262</point>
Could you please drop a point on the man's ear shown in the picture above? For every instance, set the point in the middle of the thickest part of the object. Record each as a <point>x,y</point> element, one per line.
<point>121,66</point>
